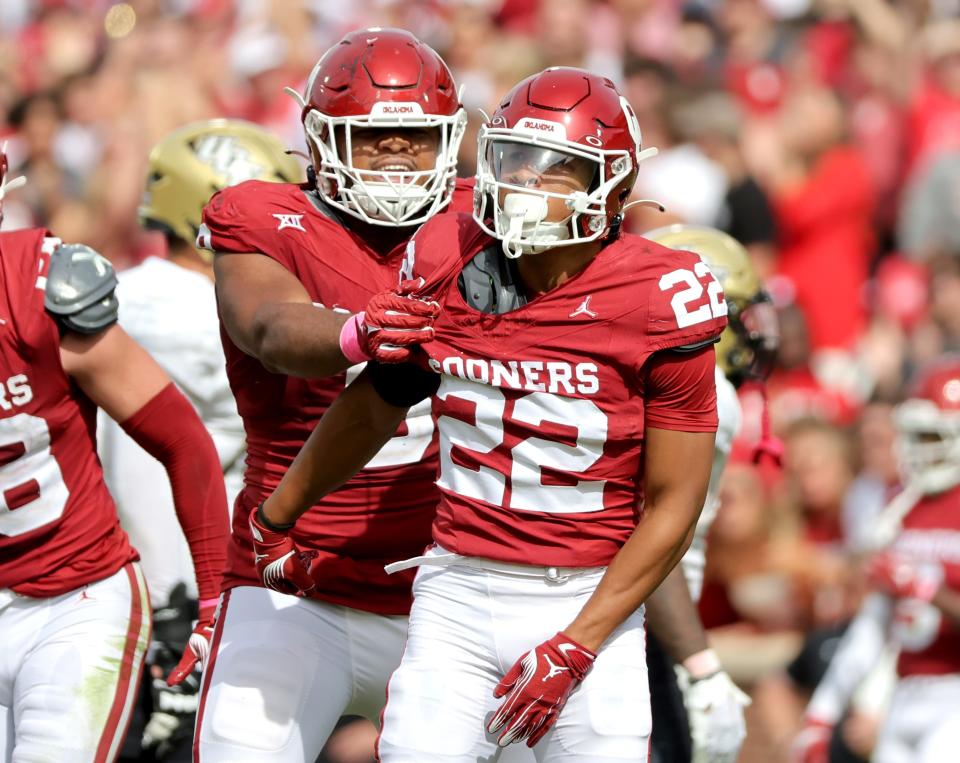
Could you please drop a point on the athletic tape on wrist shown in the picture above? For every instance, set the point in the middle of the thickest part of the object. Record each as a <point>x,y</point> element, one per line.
<point>702,664</point>
<point>350,339</point>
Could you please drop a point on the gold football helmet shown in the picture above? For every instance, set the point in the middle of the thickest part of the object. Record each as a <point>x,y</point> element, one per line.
<point>192,163</point>
<point>749,343</point>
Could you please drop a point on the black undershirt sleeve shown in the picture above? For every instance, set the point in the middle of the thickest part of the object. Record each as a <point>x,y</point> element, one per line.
<point>402,384</point>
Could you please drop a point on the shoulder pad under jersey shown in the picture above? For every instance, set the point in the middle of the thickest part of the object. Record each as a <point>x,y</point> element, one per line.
<point>80,290</point>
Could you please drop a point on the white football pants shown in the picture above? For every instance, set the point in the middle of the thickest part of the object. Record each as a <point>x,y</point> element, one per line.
<point>281,672</point>
<point>923,722</point>
<point>467,628</point>
<point>70,669</point>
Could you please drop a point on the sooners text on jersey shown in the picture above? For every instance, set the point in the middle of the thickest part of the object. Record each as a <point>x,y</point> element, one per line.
<point>387,508</point>
<point>541,410</point>
<point>930,643</point>
<point>58,524</point>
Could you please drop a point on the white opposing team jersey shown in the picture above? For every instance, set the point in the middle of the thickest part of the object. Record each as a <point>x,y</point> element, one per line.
<point>172,313</point>
<point>730,416</point>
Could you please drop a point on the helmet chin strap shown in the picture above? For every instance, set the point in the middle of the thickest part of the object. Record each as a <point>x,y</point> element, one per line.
<point>524,213</point>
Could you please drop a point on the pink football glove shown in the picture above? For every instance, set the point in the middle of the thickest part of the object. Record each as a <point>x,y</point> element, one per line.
<point>897,577</point>
<point>812,744</point>
<point>198,647</point>
<point>536,689</point>
<point>280,564</point>
<point>390,328</point>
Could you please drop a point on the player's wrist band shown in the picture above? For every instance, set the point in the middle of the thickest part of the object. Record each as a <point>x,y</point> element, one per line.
<point>350,339</point>
<point>272,526</point>
<point>702,665</point>
<point>208,603</point>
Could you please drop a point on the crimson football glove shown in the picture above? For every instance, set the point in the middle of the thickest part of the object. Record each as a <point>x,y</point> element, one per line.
<point>392,325</point>
<point>198,646</point>
<point>280,564</point>
<point>899,578</point>
<point>812,744</point>
<point>536,689</point>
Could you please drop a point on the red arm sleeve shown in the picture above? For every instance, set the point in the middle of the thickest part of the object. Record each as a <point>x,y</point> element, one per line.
<point>170,430</point>
<point>680,391</point>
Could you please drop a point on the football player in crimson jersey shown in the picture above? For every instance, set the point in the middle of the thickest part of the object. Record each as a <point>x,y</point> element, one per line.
<point>74,609</point>
<point>915,601</point>
<point>572,379</point>
<point>712,729</point>
<point>295,267</point>
<point>168,306</point>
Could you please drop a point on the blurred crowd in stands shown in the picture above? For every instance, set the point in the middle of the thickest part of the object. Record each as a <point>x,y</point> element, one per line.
<point>823,134</point>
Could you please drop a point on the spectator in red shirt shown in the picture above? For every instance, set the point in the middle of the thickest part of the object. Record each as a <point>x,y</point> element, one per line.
<point>824,204</point>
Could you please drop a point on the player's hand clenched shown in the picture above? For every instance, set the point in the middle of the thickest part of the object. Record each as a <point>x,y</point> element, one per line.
<point>391,326</point>
<point>901,579</point>
<point>536,688</point>
<point>281,565</point>
<point>198,646</point>
<point>812,744</point>
<point>714,707</point>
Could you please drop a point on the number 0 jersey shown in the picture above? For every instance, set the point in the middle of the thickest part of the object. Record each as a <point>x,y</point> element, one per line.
<point>542,410</point>
<point>58,524</point>
<point>388,507</point>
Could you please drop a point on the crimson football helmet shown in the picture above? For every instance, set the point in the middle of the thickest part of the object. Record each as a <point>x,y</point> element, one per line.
<point>928,423</point>
<point>565,121</point>
<point>378,78</point>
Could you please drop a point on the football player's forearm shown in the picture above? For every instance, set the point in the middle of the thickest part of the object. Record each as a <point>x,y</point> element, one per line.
<point>857,654</point>
<point>673,618</point>
<point>676,475</point>
<point>947,600</point>
<point>351,432</point>
<point>298,340</point>
<point>653,549</point>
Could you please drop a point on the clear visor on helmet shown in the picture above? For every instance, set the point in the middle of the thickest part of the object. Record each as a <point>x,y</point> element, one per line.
<point>523,165</point>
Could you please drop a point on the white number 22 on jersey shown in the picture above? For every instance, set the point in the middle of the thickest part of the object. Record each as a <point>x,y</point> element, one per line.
<point>694,280</point>
<point>31,468</point>
<point>529,457</point>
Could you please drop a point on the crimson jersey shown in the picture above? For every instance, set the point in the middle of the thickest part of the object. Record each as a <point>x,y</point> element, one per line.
<point>387,508</point>
<point>930,642</point>
<point>541,410</point>
<point>58,524</point>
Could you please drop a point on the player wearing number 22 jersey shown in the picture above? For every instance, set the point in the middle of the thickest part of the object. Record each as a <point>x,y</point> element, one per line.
<point>572,381</point>
<point>74,609</point>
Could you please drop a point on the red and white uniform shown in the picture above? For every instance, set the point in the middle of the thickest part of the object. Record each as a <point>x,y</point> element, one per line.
<point>74,613</point>
<point>541,415</point>
<point>356,623</point>
<point>930,644</point>
<point>340,271</point>
<point>923,721</point>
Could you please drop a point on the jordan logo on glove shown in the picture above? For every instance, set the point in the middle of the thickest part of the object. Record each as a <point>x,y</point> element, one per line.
<point>536,688</point>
